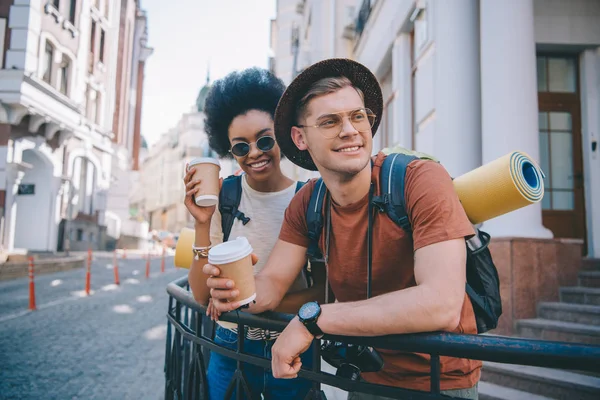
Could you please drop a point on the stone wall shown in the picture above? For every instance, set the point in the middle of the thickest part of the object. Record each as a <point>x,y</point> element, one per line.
<point>530,271</point>
<point>20,269</point>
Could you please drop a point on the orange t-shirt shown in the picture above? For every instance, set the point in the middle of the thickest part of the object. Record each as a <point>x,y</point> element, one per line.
<point>436,215</point>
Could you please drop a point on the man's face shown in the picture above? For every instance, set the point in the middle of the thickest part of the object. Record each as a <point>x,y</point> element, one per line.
<point>345,153</point>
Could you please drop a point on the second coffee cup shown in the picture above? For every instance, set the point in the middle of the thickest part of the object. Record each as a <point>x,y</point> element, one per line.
<point>207,170</point>
<point>234,259</point>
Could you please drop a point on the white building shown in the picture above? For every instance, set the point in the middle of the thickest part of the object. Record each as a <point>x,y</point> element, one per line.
<point>57,96</point>
<point>471,80</point>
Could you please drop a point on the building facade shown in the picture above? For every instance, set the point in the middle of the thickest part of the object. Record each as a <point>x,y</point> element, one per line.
<point>469,81</point>
<point>61,84</point>
<point>123,228</point>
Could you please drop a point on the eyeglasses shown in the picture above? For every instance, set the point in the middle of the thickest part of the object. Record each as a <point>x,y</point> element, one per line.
<point>330,125</point>
<point>264,144</point>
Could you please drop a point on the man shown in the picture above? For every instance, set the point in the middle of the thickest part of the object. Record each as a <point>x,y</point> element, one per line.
<point>325,120</point>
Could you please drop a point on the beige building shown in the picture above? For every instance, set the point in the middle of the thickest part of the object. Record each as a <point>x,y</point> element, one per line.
<point>159,194</point>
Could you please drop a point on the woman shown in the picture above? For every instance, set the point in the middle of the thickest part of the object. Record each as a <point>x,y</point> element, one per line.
<point>239,123</point>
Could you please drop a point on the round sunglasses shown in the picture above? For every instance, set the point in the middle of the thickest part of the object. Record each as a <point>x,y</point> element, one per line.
<point>264,144</point>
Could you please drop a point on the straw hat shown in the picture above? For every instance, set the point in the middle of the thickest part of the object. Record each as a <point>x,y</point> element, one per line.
<point>285,114</point>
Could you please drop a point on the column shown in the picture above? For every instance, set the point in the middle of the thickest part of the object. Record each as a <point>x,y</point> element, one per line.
<point>5,130</point>
<point>590,118</point>
<point>457,85</point>
<point>509,100</point>
<point>401,107</point>
<point>14,175</point>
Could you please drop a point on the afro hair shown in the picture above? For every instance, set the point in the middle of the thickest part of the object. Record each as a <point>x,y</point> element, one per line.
<point>234,95</point>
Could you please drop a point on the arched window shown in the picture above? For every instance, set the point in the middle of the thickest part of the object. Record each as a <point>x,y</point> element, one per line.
<point>47,63</point>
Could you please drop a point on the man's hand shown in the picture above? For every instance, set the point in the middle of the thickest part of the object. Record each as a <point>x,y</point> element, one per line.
<point>293,341</point>
<point>222,289</point>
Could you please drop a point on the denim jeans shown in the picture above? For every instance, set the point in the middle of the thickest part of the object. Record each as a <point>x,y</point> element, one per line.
<point>221,369</point>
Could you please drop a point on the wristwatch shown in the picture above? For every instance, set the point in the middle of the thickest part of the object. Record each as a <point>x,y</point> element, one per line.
<point>308,315</point>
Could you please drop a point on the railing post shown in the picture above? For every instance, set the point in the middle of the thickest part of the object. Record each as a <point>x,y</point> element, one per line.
<point>435,374</point>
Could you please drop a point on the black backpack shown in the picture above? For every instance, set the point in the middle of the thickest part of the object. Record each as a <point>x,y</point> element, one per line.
<point>483,283</point>
<point>229,201</point>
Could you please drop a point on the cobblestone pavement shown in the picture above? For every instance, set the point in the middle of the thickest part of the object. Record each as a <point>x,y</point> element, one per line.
<point>109,345</point>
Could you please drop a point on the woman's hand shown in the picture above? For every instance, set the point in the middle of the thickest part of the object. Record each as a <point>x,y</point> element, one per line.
<point>202,215</point>
<point>211,311</point>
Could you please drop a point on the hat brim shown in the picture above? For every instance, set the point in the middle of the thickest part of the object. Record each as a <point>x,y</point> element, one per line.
<point>285,114</point>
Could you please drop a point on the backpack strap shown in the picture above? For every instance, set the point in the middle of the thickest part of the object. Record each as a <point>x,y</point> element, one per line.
<point>299,185</point>
<point>229,201</point>
<point>314,220</point>
<point>391,194</point>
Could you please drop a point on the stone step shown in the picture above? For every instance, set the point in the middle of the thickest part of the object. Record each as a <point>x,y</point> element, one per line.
<point>490,391</point>
<point>566,312</point>
<point>589,279</point>
<point>546,329</point>
<point>590,264</point>
<point>580,295</point>
<point>552,383</point>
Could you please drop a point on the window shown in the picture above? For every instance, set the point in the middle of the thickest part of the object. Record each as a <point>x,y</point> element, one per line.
<point>102,34</point>
<point>91,107</point>
<point>65,67</point>
<point>72,6</point>
<point>48,60</point>
<point>93,37</point>
<point>98,108</point>
<point>79,235</point>
<point>556,74</point>
<point>92,48</point>
<point>56,4</point>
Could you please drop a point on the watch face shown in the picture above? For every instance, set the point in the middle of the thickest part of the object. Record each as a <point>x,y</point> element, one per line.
<point>309,310</point>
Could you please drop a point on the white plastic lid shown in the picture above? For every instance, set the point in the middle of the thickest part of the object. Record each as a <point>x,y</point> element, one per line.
<point>230,251</point>
<point>204,160</point>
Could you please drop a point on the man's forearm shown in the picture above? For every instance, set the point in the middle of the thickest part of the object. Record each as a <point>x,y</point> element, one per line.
<point>416,309</point>
<point>292,302</point>
<point>267,295</point>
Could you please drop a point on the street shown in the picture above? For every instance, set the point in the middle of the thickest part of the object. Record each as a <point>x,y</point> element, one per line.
<point>109,345</point>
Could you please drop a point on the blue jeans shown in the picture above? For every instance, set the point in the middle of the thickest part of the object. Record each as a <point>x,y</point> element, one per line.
<point>221,369</point>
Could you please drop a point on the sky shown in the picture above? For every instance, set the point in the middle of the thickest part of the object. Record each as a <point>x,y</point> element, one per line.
<point>189,35</point>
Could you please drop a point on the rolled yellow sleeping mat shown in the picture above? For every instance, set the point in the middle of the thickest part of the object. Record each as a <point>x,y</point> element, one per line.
<point>183,248</point>
<point>496,188</point>
<point>500,186</point>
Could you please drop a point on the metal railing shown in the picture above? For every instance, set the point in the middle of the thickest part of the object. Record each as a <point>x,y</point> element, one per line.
<point>189,343</point>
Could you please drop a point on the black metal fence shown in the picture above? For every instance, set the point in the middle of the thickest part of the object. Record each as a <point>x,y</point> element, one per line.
<point>189,342</point>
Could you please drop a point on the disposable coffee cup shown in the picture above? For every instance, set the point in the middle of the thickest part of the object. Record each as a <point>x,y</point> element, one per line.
<point>207,170</point>
<point>234,259</point>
